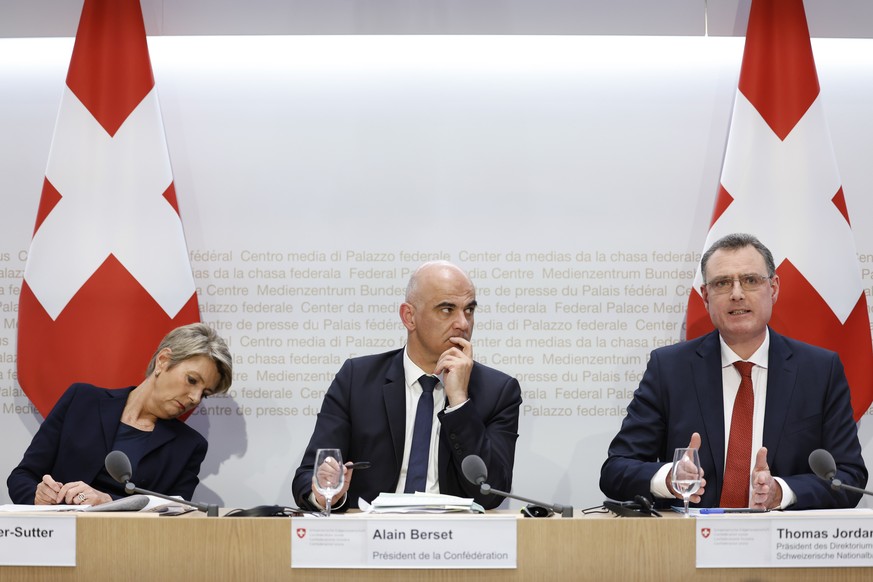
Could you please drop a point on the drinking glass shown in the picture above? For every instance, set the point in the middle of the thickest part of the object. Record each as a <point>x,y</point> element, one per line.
<point>328,475</point>
<point>686,473</point>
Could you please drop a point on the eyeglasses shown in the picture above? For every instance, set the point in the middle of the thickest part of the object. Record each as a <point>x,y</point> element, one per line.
<point>750,282</point>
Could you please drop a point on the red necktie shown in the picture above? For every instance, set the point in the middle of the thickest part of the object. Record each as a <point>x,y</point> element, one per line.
<point>735,489</point>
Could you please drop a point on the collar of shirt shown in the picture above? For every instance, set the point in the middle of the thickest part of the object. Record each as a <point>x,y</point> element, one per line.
<point>760,358</point>
<point>412,372</point>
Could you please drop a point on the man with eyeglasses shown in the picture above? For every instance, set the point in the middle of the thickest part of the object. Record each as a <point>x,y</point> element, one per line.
<point>755,403</point>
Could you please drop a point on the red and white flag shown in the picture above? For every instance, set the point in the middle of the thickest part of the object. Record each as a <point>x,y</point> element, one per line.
<point>780,183</point>
<point>107,274</point>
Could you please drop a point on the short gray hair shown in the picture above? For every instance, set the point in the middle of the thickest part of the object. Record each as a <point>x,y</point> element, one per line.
<point>197,339</point>
<point>735,242</point>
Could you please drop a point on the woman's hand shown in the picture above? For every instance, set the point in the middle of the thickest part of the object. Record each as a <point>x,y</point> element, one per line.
<point>80,493</point>
<point>47,491</point>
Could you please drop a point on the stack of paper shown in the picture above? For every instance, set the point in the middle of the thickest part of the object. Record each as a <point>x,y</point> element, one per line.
<point>419,503</point>
<point>149,503</point>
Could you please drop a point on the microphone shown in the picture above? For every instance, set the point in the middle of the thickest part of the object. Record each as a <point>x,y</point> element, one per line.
<point>476,472</point>
<point>118,467</point>
<point>822,464</point>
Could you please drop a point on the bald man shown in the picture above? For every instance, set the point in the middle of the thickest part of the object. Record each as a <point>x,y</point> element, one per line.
<point>369,411</point>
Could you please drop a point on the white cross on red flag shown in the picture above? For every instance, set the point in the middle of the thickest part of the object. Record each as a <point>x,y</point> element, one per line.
<point>107,274</point>
<point>780,183</point>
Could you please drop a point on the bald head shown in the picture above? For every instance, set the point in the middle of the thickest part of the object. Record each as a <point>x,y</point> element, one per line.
<point>431,272</point>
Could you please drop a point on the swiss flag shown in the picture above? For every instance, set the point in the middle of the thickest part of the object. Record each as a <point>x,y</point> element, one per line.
<point>107,274</point>
<point>780,183</point>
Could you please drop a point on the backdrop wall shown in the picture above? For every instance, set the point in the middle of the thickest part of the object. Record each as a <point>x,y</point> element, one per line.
<point>573,177</point>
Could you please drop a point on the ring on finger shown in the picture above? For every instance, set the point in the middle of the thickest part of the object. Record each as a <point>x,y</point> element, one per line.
<point>80,497</point>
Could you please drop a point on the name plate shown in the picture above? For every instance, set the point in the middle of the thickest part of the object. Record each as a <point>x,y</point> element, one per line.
<point>785,540</point>
<point>404,542</point>
<point>38,540</point>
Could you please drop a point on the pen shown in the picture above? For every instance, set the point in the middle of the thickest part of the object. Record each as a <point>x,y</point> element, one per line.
<point>359,465</point>
<point>718,510</point>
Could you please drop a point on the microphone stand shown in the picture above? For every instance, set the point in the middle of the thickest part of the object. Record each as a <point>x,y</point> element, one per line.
<point>210,509</point>
<point>823,465</point>
<point>837,484</point>
<point>486,489</point>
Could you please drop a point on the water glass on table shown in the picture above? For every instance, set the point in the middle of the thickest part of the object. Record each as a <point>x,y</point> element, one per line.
<point>686,476</point>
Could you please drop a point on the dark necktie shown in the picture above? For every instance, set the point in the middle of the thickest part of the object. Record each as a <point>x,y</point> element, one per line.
<point>735,489</point>
<point>419,452</point>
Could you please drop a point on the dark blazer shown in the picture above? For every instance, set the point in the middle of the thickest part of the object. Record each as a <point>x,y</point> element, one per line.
<point>808,407</point>
<point>364,415</point>
<point>74,439</point>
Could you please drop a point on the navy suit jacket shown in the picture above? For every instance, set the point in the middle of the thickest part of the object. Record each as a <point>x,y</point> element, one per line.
<point>808,407</point>
<point>74,439</point>
<point>364,415</point>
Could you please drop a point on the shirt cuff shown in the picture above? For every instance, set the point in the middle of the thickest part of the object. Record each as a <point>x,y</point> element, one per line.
<point>789,498</point>
<point>658,484</point>
<point>457,406</point>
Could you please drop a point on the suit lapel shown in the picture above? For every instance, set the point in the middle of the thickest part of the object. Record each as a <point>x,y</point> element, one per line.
<point>109,410</point>
<point>162,434</point>
<point>706,371</point>
<point>394,394</point>
<point>781,379</point>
